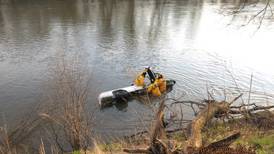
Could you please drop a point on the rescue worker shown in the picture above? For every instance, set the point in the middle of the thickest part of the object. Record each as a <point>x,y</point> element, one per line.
<point>161,83</point>
<point>140,80</point>
<point>158,86</point>
<point>158,83</point>
<point>154,89</point>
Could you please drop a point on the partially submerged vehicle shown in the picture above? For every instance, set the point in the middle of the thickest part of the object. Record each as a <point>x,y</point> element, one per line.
<point>157,86</point>
<point>123,94</point>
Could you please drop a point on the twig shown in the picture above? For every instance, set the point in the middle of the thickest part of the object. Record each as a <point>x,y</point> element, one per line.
<point>250,86</point>
<point>236,99</point>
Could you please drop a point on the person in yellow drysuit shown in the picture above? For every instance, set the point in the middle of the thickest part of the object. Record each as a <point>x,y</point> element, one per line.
<point>140,80</point>
<point>158,83</point>
<point>162,83</point>
<point>154,89</point>
<point>158,86</point>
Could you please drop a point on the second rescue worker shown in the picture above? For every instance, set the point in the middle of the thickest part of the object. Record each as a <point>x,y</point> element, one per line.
<point>157,85</point>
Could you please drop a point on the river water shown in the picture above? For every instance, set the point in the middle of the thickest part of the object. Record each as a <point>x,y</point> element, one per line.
<point>194,42</point>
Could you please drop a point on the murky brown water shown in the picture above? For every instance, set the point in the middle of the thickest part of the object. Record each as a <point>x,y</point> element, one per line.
<point>189,41</point>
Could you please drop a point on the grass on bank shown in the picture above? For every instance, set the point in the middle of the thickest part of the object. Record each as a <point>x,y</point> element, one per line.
<point>251,136</point>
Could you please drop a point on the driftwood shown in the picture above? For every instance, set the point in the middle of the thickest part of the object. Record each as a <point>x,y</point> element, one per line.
<point>211,110</point>
<point>225,142</point>
<point>201,119</point>
<point>194,144</point>
<point>156,145</point>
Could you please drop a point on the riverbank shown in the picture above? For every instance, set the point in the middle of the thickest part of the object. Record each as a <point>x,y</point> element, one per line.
<point>256,136</point>
<point>252,133</point>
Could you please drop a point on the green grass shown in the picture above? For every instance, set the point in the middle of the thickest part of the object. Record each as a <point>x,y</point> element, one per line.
<point>76,152</point>
<point>178,136</point>
<point>264,143</point>
<point>262,140</point>
<point>115,146</point>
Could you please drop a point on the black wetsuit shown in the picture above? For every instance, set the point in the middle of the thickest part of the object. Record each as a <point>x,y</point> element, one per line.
<point>151,75</point>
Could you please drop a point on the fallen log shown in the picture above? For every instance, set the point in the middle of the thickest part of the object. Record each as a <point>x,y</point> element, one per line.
<point>156,146</point>
<point>208,110</point>
<point>225,142</point>
<point>199,122</point>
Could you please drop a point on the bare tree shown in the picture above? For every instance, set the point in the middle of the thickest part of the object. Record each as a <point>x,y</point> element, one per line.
<point>264,10</point>
<point>69,120</point>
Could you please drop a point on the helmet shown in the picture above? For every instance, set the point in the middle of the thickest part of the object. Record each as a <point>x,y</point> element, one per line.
<point>147,67</point>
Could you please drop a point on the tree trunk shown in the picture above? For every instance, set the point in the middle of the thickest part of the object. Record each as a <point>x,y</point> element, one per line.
<point>204,116</point>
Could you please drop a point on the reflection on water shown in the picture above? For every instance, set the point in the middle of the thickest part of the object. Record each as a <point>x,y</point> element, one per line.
<point>186,40</point>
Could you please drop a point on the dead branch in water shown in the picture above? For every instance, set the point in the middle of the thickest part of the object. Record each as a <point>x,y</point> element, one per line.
<point>12,139</point>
